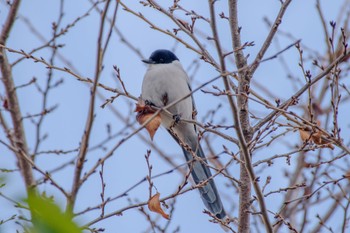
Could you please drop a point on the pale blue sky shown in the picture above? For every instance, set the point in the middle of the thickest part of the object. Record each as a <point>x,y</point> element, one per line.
<point>128,166</point>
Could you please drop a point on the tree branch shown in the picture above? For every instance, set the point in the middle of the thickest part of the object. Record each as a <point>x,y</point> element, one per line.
<point>244,131</point>
<point>241,120</point>
<point>91,112</point>
<point>18,140</point>
<point>269,38</point>
<point>286,103</point>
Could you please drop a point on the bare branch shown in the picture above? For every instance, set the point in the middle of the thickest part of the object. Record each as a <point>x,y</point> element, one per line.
<point>269,37</point>
<point>90,118</point>
<point>19,139</point>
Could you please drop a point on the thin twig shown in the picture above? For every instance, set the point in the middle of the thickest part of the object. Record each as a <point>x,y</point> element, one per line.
<point>269,37</point>
<point>90,118</point>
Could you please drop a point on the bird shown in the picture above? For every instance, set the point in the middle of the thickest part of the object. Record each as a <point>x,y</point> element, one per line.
<point>165,82</point>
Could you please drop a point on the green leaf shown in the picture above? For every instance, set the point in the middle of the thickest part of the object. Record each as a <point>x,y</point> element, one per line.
<point>47,217</point>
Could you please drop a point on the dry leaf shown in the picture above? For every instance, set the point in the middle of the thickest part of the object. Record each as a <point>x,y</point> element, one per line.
<point>305,135</point>
<point>154,205</point>
<point>318,138</point>
<point>141,106</point>
<point>153,125</point>
<point>144,112</point>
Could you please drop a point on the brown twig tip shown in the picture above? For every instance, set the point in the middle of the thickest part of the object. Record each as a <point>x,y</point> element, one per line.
<point>120,79</point>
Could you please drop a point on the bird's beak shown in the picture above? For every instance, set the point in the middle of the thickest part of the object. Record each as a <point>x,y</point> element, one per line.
<point>148,61</point>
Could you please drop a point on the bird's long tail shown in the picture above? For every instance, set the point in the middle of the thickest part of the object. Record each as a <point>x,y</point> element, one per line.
<point>201,172</point>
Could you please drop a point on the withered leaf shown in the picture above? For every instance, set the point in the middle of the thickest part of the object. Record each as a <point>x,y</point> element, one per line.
<point>304,135</point>
<point>144,113</point>
<point>153,125</point>
<point>318,138</point>
<point>154,205</point>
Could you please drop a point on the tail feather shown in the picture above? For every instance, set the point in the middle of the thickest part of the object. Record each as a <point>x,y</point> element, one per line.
<point>201,172</point>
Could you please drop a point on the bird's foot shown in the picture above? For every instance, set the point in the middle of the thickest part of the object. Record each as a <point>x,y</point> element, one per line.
<point>176,118</point>
<point>149,103</point>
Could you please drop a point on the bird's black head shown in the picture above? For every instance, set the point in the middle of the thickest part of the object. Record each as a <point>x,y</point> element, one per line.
<point>161,56</point>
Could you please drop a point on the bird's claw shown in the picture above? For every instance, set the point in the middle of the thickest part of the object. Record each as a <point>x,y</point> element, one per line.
<point>177,118</point>
<point>147,102</point>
